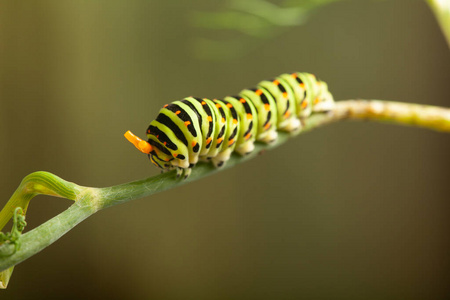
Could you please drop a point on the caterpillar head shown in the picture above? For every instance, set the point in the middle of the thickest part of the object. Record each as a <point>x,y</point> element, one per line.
<point>160,159</point>
<point>156,155</point>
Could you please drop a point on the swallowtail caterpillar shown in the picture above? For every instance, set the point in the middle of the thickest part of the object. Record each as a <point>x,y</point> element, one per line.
<point>193,129</point>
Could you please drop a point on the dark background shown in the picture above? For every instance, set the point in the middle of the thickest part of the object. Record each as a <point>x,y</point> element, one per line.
<point>355,210</point>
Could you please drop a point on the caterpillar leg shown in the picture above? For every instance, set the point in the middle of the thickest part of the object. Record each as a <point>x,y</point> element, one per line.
<point>183,172</point>
<point>221,158</point>
<point>205,158</point>
<point>179,172</point>
<point>218,163</point>
<point>187,172</point>
<point>292,125</point>
<point>268,136</point>
<point>245,148</point>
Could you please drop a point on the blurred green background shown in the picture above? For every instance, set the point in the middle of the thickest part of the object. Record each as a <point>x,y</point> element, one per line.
<point>352,211</point>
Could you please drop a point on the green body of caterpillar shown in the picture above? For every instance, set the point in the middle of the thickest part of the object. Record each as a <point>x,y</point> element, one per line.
<point>191,129</point>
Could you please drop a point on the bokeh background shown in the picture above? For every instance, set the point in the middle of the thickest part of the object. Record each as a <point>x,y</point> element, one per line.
<point>355,210</point>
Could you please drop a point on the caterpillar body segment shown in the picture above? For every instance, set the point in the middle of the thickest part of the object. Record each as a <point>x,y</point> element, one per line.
<point>324,101</point>
<point>248,124</point>
<point>193,129</point>
<point>285,102</point>
<point>266,110</point>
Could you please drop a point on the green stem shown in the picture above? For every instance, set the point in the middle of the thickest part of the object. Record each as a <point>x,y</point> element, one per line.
<point>441,10</point>
<point>90,200</point>
<point>34,184</point>
<point>426,116</point>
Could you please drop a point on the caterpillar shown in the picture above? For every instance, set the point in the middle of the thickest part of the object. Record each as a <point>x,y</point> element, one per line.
<point>193,129</point>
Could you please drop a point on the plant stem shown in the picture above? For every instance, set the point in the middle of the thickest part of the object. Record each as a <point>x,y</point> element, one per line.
<point>426,116</point>
<point>34,184</point>
<point>441,10</point>
<point>90,200</point>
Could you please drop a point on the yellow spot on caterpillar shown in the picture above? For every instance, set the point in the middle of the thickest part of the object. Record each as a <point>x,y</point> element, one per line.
<point>229,105</point>
<point>193,143</point>
<point>317,100</point>
<point>178,112</point>
<point>230,142</point>
<point>267,106</point>
<point>276,82</point>
<point>209,118</point>
<point>302,85</point>
<point>208,140</point>
<point>267,126</point>
<point>248,135</point>
<point>258,92</point>
<point>187,123</point>
<point>249,117</point>
<point>203,103</point>
<point>285,94</point>
<point>242,100</point>
<point>223,120</point>
<point>175,155</point>
<point>304,104</point>
<point>294,75</point>
<point>287,114</point>
<point>166,105</point>
<point>235,121</point>
<point>218,105</point>
<point>219,140</point>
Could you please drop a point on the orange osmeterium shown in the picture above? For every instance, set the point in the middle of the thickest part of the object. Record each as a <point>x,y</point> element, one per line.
<point>142,145</point>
